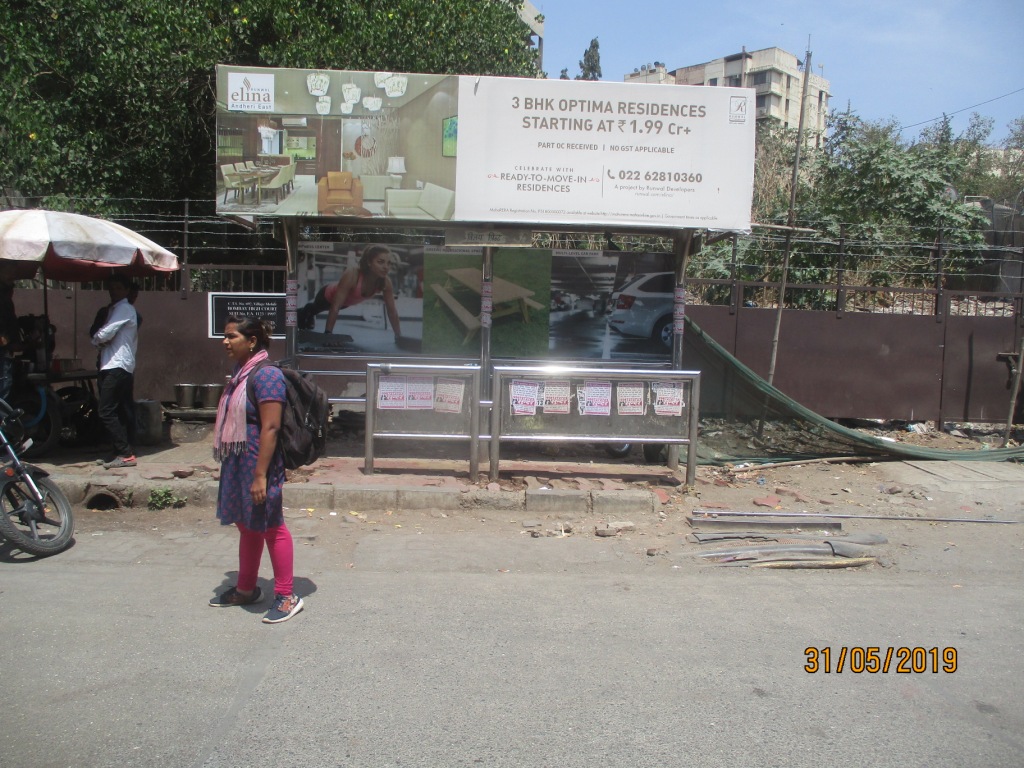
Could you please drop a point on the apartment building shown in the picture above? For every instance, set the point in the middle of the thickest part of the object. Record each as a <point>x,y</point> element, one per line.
<point>777,77</point>
<point>534,19</point>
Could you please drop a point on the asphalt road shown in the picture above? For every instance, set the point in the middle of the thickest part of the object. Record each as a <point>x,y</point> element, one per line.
<point>467,643</point>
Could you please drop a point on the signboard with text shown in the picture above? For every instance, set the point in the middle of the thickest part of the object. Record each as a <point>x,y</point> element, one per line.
<point>269,306</point>
<point>483,150</point>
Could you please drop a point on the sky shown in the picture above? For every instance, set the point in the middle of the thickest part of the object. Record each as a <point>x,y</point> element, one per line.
<point>909,60</point>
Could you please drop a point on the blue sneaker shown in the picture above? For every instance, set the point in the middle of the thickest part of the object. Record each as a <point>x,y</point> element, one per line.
<point>284,607</point>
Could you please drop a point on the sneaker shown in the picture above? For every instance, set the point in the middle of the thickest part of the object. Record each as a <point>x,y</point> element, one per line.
<point>120,461</point>
<point>110,457</point>
<point>233,597</point>
<point>285,606</point>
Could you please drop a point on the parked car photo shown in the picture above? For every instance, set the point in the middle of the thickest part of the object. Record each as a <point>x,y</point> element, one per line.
<point>643,307</point>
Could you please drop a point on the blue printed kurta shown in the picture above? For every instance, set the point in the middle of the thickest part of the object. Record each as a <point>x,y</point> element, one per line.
<point>234,499</point>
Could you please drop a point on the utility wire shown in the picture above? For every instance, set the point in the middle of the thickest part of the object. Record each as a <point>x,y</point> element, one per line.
<point>956,112</point>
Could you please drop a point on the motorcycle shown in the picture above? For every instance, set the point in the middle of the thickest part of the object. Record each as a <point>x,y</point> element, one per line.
<point>35,515</point>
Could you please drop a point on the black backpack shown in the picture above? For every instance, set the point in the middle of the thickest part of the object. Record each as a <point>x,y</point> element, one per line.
<point>304,417</point>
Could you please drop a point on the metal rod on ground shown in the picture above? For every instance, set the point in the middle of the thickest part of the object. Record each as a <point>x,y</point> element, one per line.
<point>727,513</point>
<point>1013,395</point>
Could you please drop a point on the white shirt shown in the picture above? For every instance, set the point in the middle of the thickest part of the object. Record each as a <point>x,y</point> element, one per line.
<point>118,338</point>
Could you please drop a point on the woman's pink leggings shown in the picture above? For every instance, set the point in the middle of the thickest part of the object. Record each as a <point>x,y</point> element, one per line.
<point>250,552</point>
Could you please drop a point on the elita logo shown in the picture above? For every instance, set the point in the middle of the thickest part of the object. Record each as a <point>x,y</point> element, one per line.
<point>250,92</point>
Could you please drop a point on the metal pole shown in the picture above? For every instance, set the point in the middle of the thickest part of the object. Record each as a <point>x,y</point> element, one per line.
<point>370,423</point>
<point>841,291</point>
<point>486,299</point>
<point>186,282</point>
<point>791,219</point>
<point>291,246</point>
<point>681,247</point>
<point>1013,394</point>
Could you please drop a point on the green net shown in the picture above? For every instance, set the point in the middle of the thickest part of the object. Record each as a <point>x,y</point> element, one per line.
<point>745,419</point>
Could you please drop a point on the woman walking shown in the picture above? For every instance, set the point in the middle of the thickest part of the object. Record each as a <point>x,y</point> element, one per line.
<point>252,469</point>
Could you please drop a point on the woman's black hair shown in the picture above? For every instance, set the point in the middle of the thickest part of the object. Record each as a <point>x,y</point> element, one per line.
<point>252,328</point>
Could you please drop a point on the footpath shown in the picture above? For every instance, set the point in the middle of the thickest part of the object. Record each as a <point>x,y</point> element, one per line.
<point>544,485</point>
<point>538,481</point>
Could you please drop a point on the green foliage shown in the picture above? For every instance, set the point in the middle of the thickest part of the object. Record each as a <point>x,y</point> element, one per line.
<point>162,498</point>
<point>116,100</point>
<point>590,66</point>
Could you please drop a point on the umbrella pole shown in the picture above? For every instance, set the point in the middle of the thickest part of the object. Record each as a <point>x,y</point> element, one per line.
<point>74,325</point>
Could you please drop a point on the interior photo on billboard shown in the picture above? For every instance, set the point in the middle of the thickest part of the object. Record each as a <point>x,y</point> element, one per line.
<point>449,136</point>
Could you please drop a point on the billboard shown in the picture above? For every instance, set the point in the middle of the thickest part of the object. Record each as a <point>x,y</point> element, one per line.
<point>432,149</point>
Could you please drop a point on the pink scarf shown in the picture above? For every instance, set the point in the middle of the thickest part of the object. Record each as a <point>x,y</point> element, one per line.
<point>229,431</point>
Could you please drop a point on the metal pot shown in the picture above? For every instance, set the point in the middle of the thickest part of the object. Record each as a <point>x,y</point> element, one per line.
<point>185,395</point>
<point>209,395</point>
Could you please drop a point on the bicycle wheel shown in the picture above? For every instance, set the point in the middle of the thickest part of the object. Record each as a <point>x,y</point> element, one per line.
<point>42,425</point>
<point>38,530</point>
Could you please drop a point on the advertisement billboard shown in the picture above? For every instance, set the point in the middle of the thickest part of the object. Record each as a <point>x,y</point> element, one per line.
<point>424,148</point>
<point>382,300</point>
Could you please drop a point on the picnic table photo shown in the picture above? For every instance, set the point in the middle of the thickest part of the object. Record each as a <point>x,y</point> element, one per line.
<point>519,298</point>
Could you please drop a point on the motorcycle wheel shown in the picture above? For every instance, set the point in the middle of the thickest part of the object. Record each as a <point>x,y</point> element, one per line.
<point>42,532</point>
<point>44,430</point>
<point>618,450</point>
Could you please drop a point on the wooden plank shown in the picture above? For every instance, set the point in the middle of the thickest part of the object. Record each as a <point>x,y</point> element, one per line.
<point>464,316</point>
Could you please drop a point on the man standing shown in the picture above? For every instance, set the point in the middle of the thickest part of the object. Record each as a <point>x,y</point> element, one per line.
<point>117,340</point>
<point>9,336</point>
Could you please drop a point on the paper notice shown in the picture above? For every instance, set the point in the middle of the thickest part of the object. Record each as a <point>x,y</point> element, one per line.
<point>556,396</point>
<point>391,393</point>
<point>419,393</point>
<point>597,398</point>
<point>524,396</point>
<point>448,395</point>
<point>629,399</point>
<point>668,398</point>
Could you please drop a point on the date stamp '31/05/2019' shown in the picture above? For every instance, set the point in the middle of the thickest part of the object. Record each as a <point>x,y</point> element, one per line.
<point>878,659</point>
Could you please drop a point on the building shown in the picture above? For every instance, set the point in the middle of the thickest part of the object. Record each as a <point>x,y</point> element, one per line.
<point>776,75</point>
<point>534,19</point>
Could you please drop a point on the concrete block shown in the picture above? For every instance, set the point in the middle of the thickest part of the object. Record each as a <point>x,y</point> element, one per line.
<point>206,492</point>
<point>561,502</point>
<point>615,503</point>
<point>308,496</point>
<point>360,499</point>
<point>478,498</point>
<point>427,498</point>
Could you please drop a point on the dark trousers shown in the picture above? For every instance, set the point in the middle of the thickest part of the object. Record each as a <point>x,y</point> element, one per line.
<point>117,410</point>
<point>307,315</point>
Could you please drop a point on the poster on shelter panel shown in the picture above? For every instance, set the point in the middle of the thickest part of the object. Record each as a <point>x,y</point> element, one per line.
<point>405,300</point>
<point>423,148</point>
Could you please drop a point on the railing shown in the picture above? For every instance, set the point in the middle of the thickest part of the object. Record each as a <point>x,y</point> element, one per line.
<point>562,403</point>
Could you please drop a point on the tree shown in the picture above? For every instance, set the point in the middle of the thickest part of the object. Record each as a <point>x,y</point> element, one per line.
<point>969,161</point>
<point>890,201</point>
<point>106,101</point>
<point>590,66</point>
